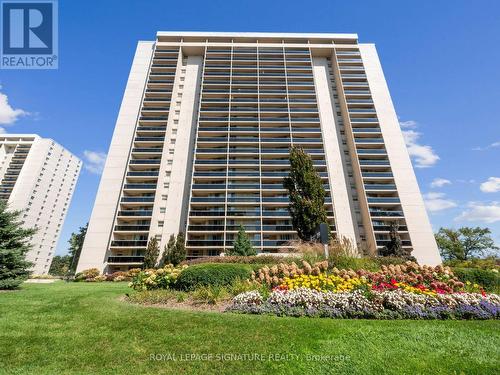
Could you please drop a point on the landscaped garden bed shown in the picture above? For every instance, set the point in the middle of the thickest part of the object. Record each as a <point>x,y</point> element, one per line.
<point>298,288</point>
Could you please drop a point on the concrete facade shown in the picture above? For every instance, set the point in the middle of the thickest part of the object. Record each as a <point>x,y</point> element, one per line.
<point>202,140</point>
<point>38,177</point>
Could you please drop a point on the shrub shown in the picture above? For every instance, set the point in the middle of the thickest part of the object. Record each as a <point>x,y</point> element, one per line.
<point>212,274</point>
<point>118,276</point>
<point>87,275</point>
<point>488,279</point>
<point>210,294</point>
<point>489,263</point>
<point>161,278</point>
<point>261,260</point>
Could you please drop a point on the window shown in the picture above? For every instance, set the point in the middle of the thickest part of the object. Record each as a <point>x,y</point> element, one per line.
<point>164,197</point>
<point>160,224</point>
<point>162,210</point>
<point>166,185</point>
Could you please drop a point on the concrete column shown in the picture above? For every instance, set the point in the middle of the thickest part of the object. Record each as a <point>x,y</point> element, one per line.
<point>422,237</point>
<point>181,171</point>
<point>337,170</point>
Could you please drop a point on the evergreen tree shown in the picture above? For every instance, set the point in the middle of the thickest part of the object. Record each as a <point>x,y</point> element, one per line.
<point>75,246</point>
<point>14,245</point>
<point>175,251</point>
<point>242,246</point>
<point>307,195</point>
<point>151,254</point>
<point>179,252</point>
<point>167,251</point>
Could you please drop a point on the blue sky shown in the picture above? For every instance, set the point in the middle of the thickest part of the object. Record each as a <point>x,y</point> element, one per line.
<point>441,60</point>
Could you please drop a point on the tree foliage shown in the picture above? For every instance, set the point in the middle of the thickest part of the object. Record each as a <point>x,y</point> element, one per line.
<point>464,243</point>
<point>394,247</point>
<point>14,245</point>
<point>175,251</point>
<point>151,254</point>
<point>307,195</point>
<point>60,265</point>
<point>242,246</point>
<point>75,246</point>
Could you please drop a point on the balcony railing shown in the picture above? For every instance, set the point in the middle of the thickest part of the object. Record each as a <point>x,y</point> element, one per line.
<point>131,228</point>
<point>135,213</point>
<point>129,243</point>
<point>125,259</point>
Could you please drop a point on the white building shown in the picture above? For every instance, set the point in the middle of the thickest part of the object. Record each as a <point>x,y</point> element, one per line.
<point>38,177</point>
<point>202,139</point>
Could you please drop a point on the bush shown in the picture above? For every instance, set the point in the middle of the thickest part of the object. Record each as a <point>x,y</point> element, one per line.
<point>261,260</point>
<point>488,279</point>
<point>87,275</point>
<point>212,274</point>
<point>161,278</point>
<point>489,263</point>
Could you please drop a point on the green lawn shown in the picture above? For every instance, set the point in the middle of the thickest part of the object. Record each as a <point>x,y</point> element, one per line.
<point>83,328</point>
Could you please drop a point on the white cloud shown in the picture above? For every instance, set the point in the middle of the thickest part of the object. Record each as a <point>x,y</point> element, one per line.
<point>9,115</point>
<point>94,161</point>
<point>492,185</point>
<point>437,202</point>
<point>491,145</point>
<point>410,124</point>
<point>478,211</point>
<point>423,155</point>
<point>440,182</point>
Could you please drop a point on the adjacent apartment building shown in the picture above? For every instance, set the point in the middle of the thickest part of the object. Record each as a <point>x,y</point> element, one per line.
<point>202,139</point>
<point>38,177</point>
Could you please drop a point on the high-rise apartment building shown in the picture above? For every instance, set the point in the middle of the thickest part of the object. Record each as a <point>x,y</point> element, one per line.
<point>202,141</point>
<point>38,177</point>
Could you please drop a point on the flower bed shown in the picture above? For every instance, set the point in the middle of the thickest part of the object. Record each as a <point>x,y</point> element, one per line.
<point>406,291</point>
<point>389,304</point>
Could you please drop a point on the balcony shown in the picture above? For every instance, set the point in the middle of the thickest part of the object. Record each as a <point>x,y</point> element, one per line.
<point>383,200</point>
<point>206,228</point>
<point>207,213</point>
<point>380,213</point>
<point>129,243</point>
<point>145,161</point>
<point>381,243</point>
<point>380,187</point>
<point>131,228</point>
<point>205,242</point>
<point>142,174</point>
<point>146,213</point>
<point>140,186</point>
<point>137,199</point>
<point>126,259</point>
<point>147,150</point>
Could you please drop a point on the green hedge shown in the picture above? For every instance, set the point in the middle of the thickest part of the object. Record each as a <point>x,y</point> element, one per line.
<point>221,274</point>
<point>488,279</point>
<point>261,259</point>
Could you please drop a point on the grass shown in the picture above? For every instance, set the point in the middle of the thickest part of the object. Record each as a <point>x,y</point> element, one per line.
<point>84,328</point>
